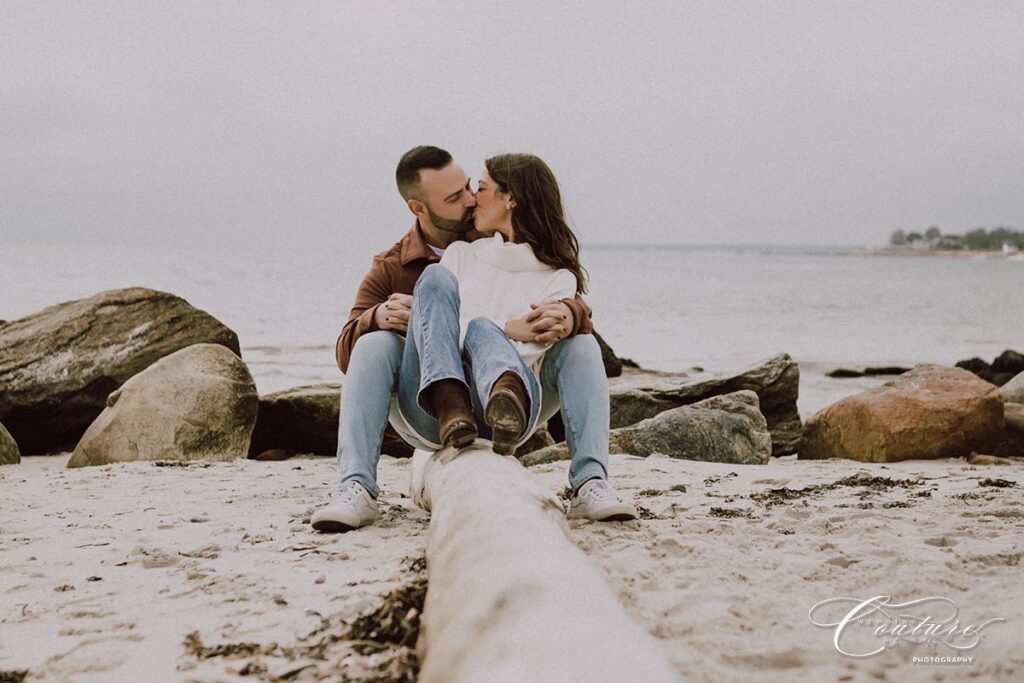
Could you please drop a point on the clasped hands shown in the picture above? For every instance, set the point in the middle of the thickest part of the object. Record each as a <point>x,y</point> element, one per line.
<point>547,322</point>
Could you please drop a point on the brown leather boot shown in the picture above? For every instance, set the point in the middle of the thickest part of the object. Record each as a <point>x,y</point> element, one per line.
<point>454,412</point>
<point>507,411</point>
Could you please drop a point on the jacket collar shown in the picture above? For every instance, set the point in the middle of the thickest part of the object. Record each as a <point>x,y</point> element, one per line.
<point>414,245</point>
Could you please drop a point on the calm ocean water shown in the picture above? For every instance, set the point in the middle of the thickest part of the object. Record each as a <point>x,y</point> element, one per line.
<point>668,308</point>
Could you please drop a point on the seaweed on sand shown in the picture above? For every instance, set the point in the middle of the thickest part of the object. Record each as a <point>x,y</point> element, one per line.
<point>770,497</point>
<point>378,646</point>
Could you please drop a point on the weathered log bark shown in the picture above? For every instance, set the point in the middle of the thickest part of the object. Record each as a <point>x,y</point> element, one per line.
<point>510,596</point>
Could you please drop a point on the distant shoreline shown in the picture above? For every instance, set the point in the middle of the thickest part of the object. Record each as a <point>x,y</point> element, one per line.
<point>808,250</point>
<point>946,253</point>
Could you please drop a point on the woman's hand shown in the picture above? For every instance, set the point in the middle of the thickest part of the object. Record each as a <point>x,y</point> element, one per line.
<point>550,321</point>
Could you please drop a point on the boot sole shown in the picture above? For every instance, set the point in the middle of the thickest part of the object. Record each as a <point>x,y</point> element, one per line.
<point>507,420</point>
<point>460,435</point>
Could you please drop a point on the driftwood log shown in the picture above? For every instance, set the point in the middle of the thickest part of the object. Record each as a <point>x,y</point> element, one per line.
<point>510,596</point>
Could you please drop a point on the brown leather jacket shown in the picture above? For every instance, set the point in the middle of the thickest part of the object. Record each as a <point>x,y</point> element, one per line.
<point>396,271</point>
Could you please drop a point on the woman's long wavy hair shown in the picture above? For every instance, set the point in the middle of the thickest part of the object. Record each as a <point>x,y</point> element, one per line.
<point>538,216</point>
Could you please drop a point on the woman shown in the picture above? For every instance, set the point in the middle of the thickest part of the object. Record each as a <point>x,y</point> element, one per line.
<point>466,317</point>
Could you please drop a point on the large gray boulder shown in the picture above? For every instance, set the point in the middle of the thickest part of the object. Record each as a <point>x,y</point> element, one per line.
<point>305,420</point>
<point>198,403</point>
<point>9,453</point>
<point>638,395</point>
<point>727,428</point>
<point>1013,391</point>
<point>58,366</point>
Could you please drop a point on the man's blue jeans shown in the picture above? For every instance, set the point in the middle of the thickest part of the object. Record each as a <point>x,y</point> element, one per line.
<point>384,364</point>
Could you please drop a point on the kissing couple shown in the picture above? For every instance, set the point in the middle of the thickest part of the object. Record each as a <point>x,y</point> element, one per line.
<point>472,325</point>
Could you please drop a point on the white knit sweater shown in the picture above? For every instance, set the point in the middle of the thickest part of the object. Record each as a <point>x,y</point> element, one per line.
<point>500,280</point>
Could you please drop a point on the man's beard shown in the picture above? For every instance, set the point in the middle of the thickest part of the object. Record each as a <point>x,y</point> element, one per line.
<point>456,225</point>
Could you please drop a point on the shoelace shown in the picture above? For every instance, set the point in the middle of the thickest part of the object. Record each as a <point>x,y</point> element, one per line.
<point>345,493</point>
<point>597,491</point>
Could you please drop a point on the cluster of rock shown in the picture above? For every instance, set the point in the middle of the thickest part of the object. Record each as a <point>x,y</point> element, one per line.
<point>137,374</point>
<point>58,366</point>
<point>130,374</point>
<point>1005,367</point>
<point>728,428</point>
<point>869,371</point>
<point>755,417</point>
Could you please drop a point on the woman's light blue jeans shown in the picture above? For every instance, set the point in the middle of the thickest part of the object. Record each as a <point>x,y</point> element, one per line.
<point>432,354</point>
<point>388,373</point>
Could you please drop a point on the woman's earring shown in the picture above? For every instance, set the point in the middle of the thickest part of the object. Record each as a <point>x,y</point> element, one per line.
<point>508,206</point>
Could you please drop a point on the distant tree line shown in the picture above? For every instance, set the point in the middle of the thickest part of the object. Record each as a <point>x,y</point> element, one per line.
<point>978,239</point>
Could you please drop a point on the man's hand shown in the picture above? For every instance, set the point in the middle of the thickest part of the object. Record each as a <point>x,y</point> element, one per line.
<point>550,321</point>
<point>394,313</point>
<point>519,330</point>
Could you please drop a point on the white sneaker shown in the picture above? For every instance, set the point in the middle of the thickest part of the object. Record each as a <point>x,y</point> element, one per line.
<point>596,500</point>
<point>351,507</point>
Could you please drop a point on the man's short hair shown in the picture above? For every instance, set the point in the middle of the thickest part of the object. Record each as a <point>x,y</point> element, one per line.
<point>407,175</point>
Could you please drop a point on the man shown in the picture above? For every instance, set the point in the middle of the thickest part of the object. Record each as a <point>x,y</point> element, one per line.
<point>369,352</point>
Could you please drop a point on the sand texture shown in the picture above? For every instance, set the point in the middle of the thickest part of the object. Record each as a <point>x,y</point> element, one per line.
<point>210,572</point>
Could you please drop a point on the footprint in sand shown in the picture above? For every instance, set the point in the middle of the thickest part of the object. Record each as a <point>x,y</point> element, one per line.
<point>841,561</point>
<point>155,558</point>
<point>670,547</point>
<point>947,541</point>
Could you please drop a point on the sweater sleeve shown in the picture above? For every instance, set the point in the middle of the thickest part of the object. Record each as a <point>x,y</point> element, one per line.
<point>374,290</point>
<point>581,315</point>
<point>562,286</point>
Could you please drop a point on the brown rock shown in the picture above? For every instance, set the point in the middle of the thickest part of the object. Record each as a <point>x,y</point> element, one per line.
<point>930,412</point>
<point>58,366</point>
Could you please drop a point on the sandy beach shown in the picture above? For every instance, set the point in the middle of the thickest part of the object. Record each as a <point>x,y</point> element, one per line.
<point>208,572</point>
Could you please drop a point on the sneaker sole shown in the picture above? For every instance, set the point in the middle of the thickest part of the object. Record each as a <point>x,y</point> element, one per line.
<point>330,526</point>
<point>617,517</point>
<point>616,514</point>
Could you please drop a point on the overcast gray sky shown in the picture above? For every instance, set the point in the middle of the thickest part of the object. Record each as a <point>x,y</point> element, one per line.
<point>279,124</point>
